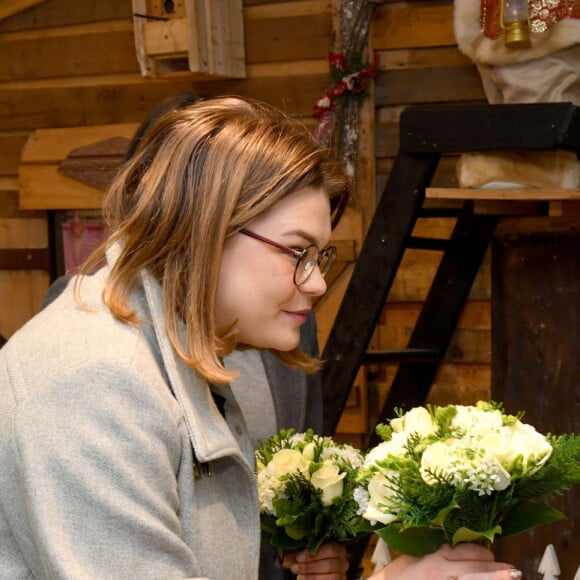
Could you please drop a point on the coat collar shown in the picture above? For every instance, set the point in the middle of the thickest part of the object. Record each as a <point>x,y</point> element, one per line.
<point>209,433</point>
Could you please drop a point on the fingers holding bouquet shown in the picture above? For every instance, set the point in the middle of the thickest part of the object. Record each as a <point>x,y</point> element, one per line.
<point>464,562</point>
<point>330,562</point>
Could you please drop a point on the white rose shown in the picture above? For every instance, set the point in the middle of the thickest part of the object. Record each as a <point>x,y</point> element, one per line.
<point>287,461</point>
<point>417,420</point>
<point>380,493</point>
<point>376,454</point>
<point>436,459</point>
<point>328,479</point>
<point>526,442</point>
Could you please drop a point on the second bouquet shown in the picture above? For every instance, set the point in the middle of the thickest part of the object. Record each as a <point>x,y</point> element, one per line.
<point>463,474</point>
<point>305,487</point>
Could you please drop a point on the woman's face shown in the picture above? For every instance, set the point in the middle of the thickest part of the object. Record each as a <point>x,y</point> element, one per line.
<point>255,285</point>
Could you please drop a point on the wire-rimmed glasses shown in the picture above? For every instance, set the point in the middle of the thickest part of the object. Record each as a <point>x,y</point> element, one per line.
<point>306,259</point>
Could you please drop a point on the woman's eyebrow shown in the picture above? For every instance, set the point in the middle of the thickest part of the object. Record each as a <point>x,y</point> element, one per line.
<point>302,234</point>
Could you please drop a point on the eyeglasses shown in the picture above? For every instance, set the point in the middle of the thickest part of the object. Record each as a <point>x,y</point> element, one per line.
<point>307,259</point>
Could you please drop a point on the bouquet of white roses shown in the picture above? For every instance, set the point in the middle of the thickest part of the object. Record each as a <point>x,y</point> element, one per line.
<point>305,488</point>
<point>462,474</point>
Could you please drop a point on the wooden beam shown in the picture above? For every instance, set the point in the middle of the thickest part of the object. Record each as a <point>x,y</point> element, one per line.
<point>9,8</point>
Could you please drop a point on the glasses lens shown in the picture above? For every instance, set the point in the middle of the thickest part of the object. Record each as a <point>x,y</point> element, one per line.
<point>325,259</point>
<point>313,257</point>
<point>306,265</point>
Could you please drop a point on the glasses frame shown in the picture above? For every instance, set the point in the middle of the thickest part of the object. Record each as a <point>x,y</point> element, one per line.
<point>329,251</point>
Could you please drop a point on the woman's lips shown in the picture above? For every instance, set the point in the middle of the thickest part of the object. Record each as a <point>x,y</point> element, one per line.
<point>298,315</point>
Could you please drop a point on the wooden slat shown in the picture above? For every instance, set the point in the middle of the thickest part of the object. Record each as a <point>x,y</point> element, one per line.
<point>218,47</point>
<point>11,145</point>
<point>8,184</point>
<point>10,206</point>
<point>21,293</point>
<point>416,271</point>
<point>429,85</point>
<point>42,107</point>
<point>27,259</point>
<point>325,307</point>
<point>14,6</point>
<point>69,13</point>
<point>43,187</point>
<point>421,57</point>
<point>91,49</point>
<point>467,345</point>
<point>519,194</point>
<point>23,232</point>
<point>289,37</point>
<point>411,25</point>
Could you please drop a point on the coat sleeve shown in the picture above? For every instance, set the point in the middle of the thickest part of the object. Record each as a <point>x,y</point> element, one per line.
<point>94,458</point>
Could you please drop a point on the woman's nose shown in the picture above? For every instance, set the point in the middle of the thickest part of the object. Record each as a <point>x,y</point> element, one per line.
<point>315,285</point>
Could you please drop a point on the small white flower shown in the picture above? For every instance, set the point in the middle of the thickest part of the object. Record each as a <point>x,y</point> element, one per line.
<point>476,422</point>
<point>344,453</point>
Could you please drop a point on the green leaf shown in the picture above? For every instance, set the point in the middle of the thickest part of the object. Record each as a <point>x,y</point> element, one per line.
<point>414,541</point>
<point>442,515</point>
<point>467,535</point>
<point>529,515</point>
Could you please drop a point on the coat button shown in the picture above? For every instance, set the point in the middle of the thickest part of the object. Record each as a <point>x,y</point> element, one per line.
<point>238,430</point>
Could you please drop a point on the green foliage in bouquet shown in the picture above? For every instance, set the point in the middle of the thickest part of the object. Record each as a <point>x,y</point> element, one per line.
<point>305,487</point>
<point>462,474</point>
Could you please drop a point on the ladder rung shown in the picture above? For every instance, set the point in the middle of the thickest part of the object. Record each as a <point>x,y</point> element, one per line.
<point>401,356</point>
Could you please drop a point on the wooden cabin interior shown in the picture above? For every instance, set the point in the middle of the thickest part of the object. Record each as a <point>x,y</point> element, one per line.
<point>77,78</point>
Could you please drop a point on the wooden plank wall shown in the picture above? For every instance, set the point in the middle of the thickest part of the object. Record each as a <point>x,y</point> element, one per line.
<point>420,64</point>
<point>65,64</point>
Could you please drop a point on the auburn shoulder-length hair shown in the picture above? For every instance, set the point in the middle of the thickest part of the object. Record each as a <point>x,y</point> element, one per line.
<point>201,174</point>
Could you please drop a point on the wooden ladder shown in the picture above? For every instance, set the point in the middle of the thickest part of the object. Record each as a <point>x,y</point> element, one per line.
<point>427,132</point>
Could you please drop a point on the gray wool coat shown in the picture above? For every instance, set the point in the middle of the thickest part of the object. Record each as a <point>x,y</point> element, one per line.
<point>115,461</point>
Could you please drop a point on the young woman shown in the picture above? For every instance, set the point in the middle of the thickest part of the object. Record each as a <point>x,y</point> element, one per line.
<point>124,453</point>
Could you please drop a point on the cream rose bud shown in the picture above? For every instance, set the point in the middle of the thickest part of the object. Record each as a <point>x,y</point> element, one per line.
<point>436,459</point>
<point>501,479</point>
<point>328,478</point>
<point>308,451</point>
<point>380,494</point>
<point>417,420</point>
<point>287,461</point>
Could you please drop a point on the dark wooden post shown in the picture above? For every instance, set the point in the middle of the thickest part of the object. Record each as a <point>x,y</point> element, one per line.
<point>536,359</point>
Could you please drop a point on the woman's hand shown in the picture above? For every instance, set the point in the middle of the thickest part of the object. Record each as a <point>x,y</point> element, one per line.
<point>464,562</point>
<point>329,563</point>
